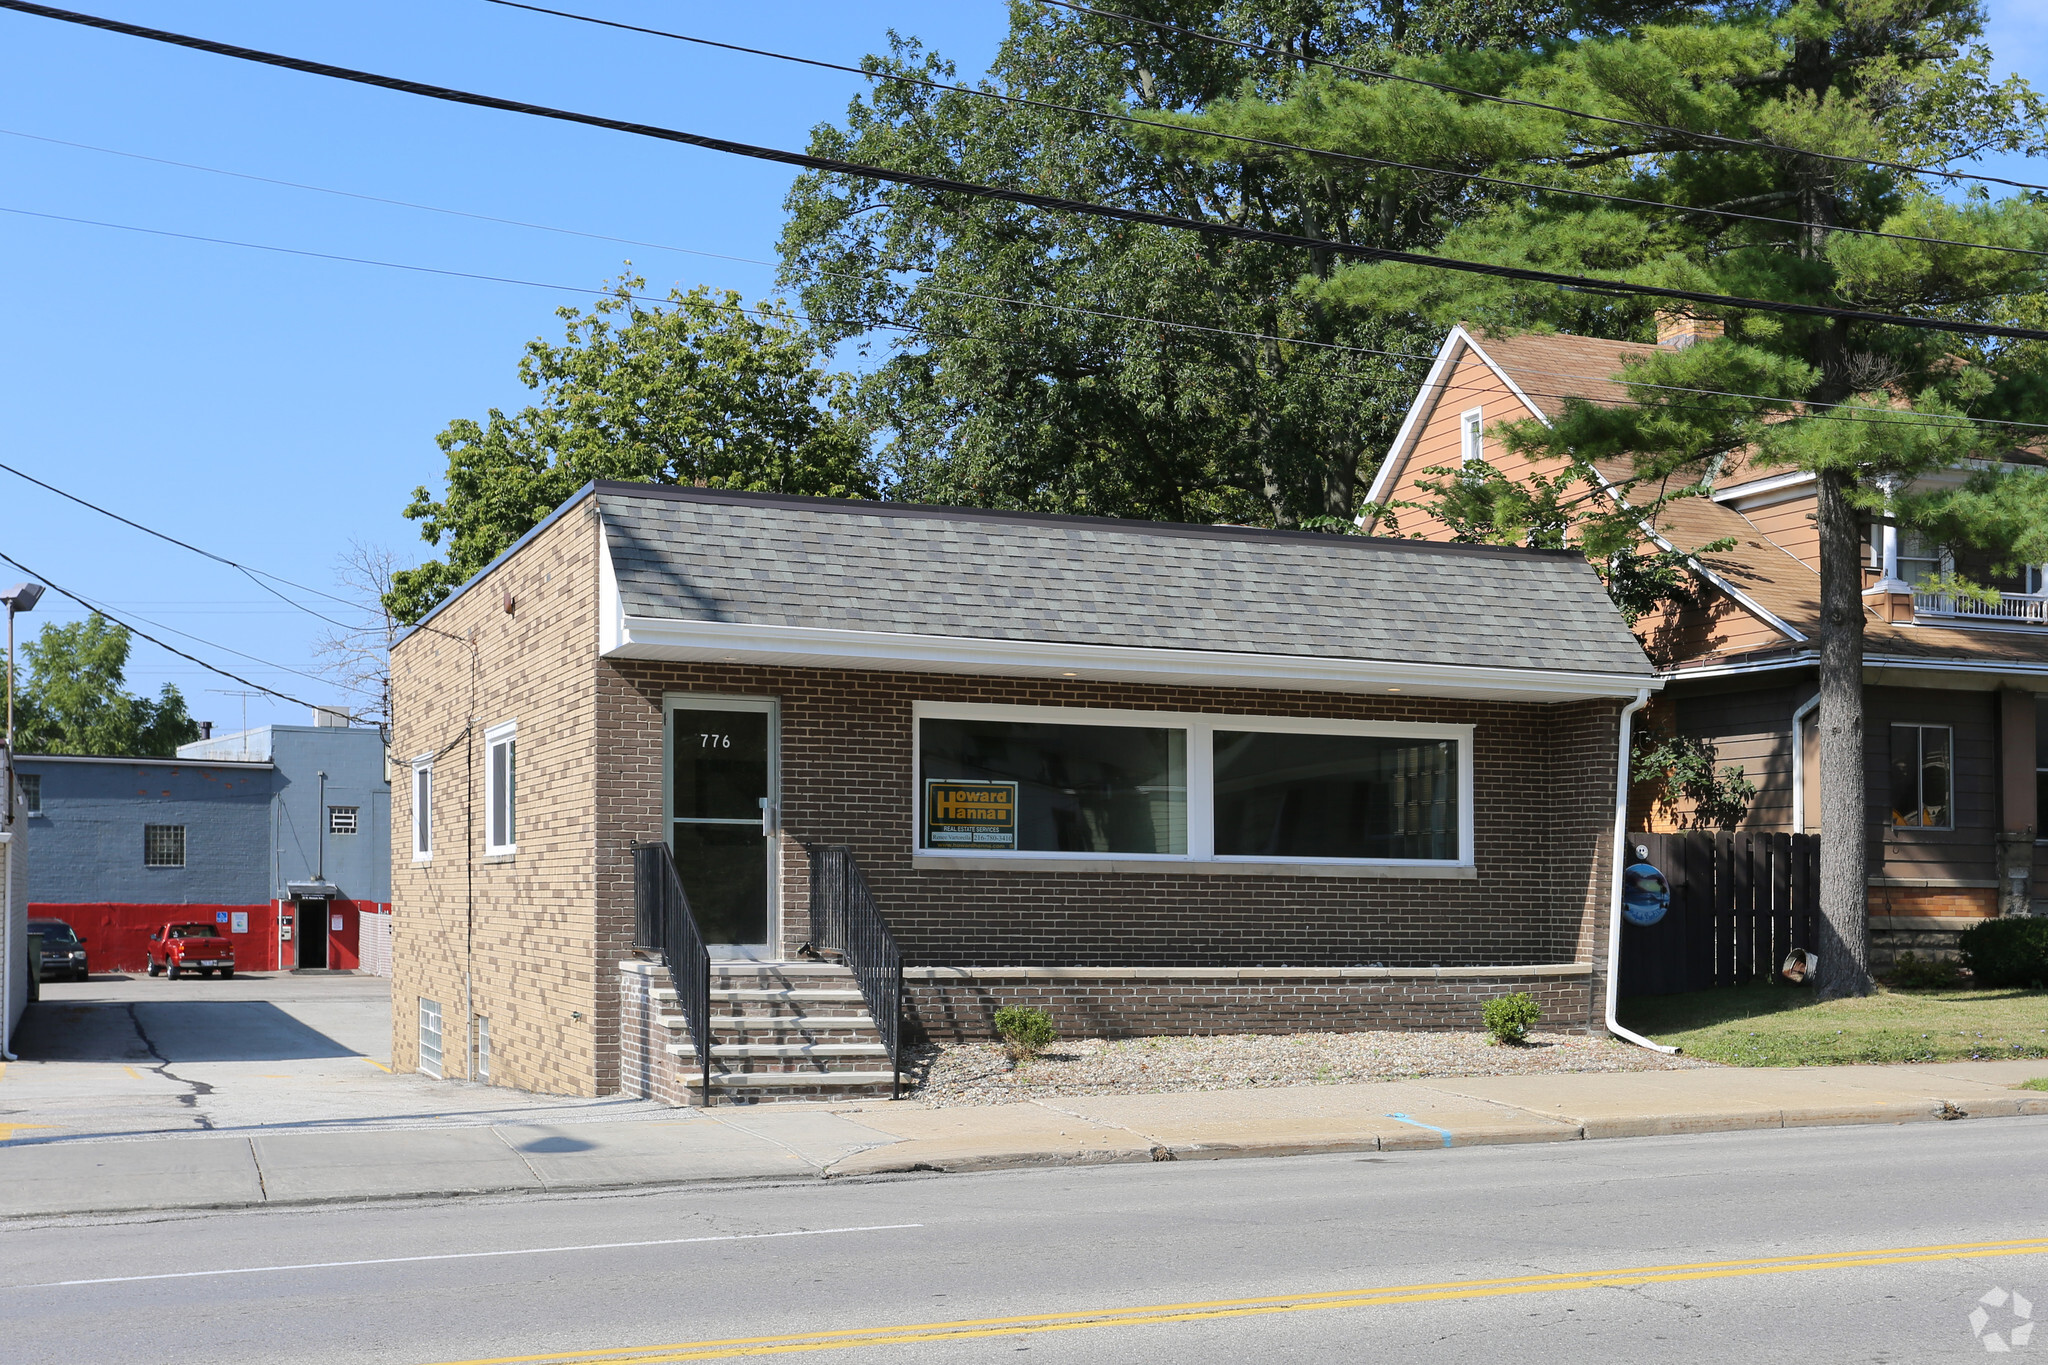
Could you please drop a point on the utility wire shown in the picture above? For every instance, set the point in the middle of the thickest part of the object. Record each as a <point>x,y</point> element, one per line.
<point>1682,210</point>
<point>919,329</point>
<point>255,576</point>
<point>191,658</point>
<point>944,185</point>
<point>1664,128</point>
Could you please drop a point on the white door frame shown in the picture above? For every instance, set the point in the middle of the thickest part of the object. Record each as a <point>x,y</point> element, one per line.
<point>672,702</point>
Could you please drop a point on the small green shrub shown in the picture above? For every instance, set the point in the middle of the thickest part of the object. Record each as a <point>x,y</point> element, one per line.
<point>2007,952</point>
<point>1024,1030</point>
<point>1510,1017</point>
<point>1910,973</point>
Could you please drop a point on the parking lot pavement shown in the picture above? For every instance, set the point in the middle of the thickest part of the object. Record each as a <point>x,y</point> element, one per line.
<point>126,1056</point>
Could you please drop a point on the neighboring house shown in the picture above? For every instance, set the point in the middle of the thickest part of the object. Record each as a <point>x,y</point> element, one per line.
<point>1246,780</point>
<point>1955,743</point>
<point>234,830</point>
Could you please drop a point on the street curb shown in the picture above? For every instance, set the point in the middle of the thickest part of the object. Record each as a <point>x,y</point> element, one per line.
<point>893,1160</point>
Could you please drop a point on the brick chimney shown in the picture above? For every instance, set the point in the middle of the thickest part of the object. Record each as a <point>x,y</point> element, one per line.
<point>1676,331</point>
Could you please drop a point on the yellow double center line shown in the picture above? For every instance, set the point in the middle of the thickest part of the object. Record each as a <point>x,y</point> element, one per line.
<point>1152,1314</point>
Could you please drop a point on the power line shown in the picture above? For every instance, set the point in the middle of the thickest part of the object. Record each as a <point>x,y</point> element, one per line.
<point>919,329</point>
<point>944,185</point>
<point>1682,210</point>
<point>1665,128</point>
<point>255,576</point>
<point>189,658</point>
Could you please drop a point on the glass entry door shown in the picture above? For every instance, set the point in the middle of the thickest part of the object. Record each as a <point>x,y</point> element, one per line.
<point>721,800</point>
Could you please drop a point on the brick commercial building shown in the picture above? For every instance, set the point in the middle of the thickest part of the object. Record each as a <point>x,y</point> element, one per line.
<point>277,834</point>
<point>1153,778</point>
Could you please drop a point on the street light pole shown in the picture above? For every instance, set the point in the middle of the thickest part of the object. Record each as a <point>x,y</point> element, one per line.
<point>20,597</point>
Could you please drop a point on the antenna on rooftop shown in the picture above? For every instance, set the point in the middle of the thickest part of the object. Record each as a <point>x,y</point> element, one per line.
<point>244,695</point>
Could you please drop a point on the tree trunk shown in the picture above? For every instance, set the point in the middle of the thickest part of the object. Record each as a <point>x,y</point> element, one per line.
<point>1844,923</point>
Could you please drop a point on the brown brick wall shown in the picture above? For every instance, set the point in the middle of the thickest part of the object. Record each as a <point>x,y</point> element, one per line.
<point>1544,778</point>
<point>531,954</point>
<point>1137,1007</point>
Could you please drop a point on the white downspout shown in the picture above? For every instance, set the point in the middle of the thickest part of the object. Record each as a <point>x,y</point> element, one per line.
<point>1621,861</point>
<point>1799,715</point>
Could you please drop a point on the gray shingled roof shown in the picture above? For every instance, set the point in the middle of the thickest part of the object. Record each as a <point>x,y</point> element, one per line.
<point>708,555</point>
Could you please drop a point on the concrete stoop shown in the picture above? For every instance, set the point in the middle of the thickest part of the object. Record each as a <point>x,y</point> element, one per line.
<point>780,1031</point>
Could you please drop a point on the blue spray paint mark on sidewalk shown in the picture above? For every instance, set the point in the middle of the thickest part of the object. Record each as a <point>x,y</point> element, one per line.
<point>1420,1124</point>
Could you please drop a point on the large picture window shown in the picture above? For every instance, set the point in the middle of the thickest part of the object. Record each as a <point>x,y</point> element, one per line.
<point>1923,776</point>
<point>1075,788</point>
<point>1335,796</point>
<point>1018,783</point>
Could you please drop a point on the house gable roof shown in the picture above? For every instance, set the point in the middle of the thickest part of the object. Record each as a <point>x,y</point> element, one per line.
<point>726,562</point>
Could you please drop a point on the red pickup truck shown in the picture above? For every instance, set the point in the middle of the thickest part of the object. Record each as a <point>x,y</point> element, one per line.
<point>180,948</point>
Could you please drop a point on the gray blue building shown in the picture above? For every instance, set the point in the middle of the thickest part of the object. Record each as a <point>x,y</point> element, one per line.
<point>280,834</point>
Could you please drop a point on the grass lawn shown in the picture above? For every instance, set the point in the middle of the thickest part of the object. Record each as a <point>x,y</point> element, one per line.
<point>1785,1026</point>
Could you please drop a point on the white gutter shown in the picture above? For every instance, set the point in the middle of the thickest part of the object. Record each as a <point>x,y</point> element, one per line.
<point>1614,904</point>
<point>1799,715</point>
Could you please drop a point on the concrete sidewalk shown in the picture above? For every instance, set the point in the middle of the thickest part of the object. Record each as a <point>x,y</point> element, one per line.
<point>806,1141</point>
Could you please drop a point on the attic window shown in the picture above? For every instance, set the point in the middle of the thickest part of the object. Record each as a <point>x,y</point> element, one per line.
<point>1474,445</point>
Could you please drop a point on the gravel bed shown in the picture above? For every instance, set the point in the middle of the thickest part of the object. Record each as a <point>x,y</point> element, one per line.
<point>981,1073</point>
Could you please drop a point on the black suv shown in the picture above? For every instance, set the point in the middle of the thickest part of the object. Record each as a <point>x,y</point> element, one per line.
<point>63,950</point>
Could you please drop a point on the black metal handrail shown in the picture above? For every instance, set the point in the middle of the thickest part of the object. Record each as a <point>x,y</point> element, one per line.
<point>846,921</point>
<point>664,924</point>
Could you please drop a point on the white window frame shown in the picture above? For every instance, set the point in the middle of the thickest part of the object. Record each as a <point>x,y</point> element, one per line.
<point>480,1067</point>
<point>431,1010</point>
<point>355,820</point>
<point>1201,728</point>
<point>31,793</point>
<point>508,733</point>
<point>1472,435</point>
<point>422,811</point>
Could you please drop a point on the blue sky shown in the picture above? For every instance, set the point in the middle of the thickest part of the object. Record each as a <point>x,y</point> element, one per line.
<point>274,408</point>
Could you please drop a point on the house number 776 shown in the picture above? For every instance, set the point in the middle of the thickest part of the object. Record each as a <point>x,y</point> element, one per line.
<point>714,741</point>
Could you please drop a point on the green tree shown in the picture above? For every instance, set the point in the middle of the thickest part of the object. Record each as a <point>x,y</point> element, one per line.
<point>701,390</point>
<point>72,699</point>
<point>1864,407</point>
<point>1028,372</point>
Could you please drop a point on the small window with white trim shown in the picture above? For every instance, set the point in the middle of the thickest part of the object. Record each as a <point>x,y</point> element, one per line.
<point>422,810</point>
<point>501,789</point>
<point>31,792</point>
<point>342,819</point>
<point>1472,427</point>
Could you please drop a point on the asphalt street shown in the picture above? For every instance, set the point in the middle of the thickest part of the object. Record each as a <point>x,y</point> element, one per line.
<point>1849,1244</point>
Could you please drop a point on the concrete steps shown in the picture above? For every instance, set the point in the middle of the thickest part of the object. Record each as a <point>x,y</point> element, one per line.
<point>781,1031</point>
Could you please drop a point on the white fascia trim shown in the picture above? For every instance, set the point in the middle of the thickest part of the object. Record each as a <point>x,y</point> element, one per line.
<point>611,614</point>
<point>643,637</point>
<point>1506,378</point>
<point>1776,483</point>
<point>1871,661</point>
<point>1432,385</point>
<point>1804,659</point>
<point>1465,338</point>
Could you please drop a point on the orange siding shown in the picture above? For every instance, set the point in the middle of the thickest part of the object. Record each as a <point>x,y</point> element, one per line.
<point>1472,383</point>
<point>1789,525</point>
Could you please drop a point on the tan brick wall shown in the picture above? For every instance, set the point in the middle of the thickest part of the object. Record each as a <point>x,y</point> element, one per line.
<point>518,929</point>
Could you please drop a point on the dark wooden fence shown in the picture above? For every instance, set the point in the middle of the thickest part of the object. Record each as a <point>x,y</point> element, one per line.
<point>1739,904</point>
